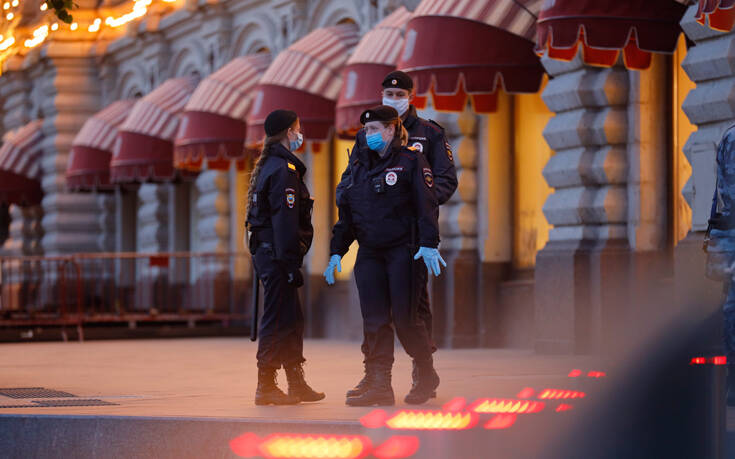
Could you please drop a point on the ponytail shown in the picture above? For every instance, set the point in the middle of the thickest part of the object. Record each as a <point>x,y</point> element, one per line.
<point>264,153</point>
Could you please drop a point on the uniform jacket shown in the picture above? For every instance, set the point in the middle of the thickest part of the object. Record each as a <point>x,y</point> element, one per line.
<point>428,138</point>
<point>383,199</point>
<point>281,209</point>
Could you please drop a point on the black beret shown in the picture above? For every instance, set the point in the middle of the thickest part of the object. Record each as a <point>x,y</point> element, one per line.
<point>278,121</point>
<point>380,113</point>
<point>398,79</point>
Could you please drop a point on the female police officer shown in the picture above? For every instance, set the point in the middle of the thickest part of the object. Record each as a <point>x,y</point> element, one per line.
<point>387,197</point>
<point>279,219</point>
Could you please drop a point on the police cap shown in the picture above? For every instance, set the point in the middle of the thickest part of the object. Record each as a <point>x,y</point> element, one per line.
<point>278,121</point>
<point>382,113</point>
<point>398,79</point>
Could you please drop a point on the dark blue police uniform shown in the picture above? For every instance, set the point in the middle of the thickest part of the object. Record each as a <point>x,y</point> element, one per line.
<point>280,220</point>
<point>382,203</point>
<point>428,138</point>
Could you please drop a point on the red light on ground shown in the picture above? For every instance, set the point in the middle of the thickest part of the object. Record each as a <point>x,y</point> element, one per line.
<point>501,421</point>
<point>575,373</point>
<point>397,447</point>
<point>556,394</point>
<point>278,446</point>
<point>596,374</point>
<point>431,420</point>
<point>526,393</point>
<point>455,404</point>
<point>719,360</point>
<point>698,361</point>
<point>563,407</point>
<point>374,419</point>
<point>509,406</point>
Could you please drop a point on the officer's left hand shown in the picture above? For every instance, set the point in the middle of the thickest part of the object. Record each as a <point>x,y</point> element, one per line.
<point>335,261</point>
<point>432,258</point>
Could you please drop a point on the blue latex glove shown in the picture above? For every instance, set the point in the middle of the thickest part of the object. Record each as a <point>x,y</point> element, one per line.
<point>431,259</point>
<point>335,261</point>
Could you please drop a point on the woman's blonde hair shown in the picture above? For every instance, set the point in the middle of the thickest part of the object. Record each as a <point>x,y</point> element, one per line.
<point>264,153</point>
<point>399,131</point>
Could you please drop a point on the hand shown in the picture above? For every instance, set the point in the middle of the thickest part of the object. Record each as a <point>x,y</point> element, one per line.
<point>431,259</point>
<point>335,261</point>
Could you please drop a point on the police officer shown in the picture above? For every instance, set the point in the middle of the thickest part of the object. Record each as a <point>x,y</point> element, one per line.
<point>427,137</point>
<point>720,246</point>
<point>279,222</point>
<point>385,199</point>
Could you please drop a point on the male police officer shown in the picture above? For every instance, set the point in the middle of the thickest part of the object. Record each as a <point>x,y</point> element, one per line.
<point>427,137</point>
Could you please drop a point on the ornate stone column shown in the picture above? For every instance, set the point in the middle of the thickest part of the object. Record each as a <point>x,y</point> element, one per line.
<point>579,272</point>
<point>710,106</point>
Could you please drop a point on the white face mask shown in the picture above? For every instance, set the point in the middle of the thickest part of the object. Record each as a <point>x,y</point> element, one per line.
<point>401,105</point>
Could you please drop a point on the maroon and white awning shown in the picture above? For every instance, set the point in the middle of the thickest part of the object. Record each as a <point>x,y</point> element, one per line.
<point>460,49</point>
<point>213,123</point>
<point>145,150</point>
<point>604,28</point>
<point>91,150</point>
<point>305,78</point>
<point>718,14</point>
<point>20,165</point>
<point>374,57</point>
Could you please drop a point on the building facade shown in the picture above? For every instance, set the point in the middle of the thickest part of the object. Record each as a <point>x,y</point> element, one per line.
<point>586,169</point>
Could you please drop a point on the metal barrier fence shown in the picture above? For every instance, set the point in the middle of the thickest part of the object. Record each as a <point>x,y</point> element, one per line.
<point>125,287</point>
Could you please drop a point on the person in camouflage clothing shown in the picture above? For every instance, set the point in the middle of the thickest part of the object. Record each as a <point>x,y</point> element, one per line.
<point>721,246</point>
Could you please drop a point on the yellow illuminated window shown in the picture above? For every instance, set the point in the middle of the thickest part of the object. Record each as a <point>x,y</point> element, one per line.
<point>682,129</point>
<point>341,148</point>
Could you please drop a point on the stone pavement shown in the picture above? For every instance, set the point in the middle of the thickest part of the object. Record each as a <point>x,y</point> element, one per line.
<point>216,377</point>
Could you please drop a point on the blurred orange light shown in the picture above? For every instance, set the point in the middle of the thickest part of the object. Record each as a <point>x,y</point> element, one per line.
<point>501,421</point>
<point>719,360</point>
<point>526,393</point>
<point>374,419</point>
<point>397,447</point>
<point>44,7</point>
<point>431,420</point>
<point>698,361</point>
<point>455,404</point>
<point>496,405</point>
<point>563,407</point>
<point>301,446</point>
<point>574,373</point>
<point>9,16</point>
<point>596,374</point>
<point>556,394</point>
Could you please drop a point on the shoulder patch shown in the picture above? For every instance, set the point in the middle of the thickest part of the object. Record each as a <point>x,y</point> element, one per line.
<point>449,150</point>
<point>292,167</point>
<point>428,177</point>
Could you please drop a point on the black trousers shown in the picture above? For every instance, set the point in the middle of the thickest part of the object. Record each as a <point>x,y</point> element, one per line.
<point>281,331</point>
<point>383,279</point>
<point>423,307</point>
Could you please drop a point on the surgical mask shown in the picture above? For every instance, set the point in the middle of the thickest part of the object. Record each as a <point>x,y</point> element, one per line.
<point>375,141</point>
<point>296,144</point>
<point>401,105</point>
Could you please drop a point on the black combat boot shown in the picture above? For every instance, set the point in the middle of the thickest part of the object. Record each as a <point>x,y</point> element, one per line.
<point>268,392</point>
<point>379,391</point>
<point>361,387</point>
<point>415,377</point>
<point>297,386</point>
<point>426,383</point>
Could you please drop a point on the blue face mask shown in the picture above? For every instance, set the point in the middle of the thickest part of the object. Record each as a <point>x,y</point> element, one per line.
<point>375,141</point>
<point>296,144</point>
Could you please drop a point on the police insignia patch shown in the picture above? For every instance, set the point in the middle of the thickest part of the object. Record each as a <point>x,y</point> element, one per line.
<point>428,177</point>
<point>418,146</point>
<point>290,197</point>
<point>391,178</point>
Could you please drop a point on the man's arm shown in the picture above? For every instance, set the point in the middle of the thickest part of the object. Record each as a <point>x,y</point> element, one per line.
<point>441,159</point>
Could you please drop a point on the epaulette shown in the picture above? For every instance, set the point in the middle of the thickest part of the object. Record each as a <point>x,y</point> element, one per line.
<point>441,128</point>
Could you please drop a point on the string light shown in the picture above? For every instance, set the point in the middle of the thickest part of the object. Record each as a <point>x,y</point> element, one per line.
<point>39,35</point>
<point>7,43</point>
<point>139,9</point>
<point>54,26</point>
<point>44,7</point>
<point>95,27</point>
<point>74,26</point>
<point>15,3</point>
<point>6,5</point>
<point>9,16</point>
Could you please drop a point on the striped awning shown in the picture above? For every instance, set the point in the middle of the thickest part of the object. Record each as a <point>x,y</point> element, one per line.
<point>605,27</point>
<point>718,14</point>
<point>460,49</point>
<point>213,124</point>
<point>20,165</point>
<point>91,150</point>
<point>305,78</point>
<point>374,57</point>
<point>145,151</point>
